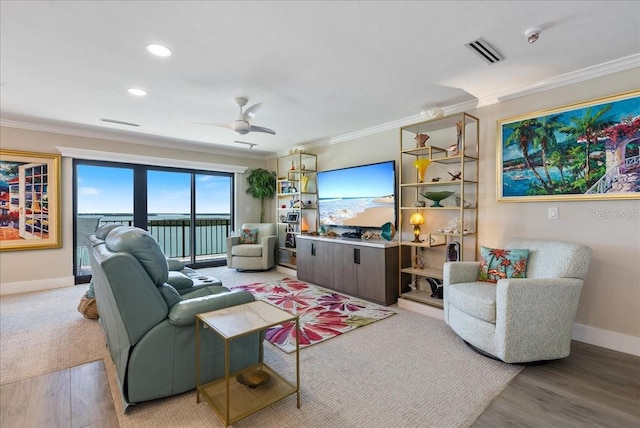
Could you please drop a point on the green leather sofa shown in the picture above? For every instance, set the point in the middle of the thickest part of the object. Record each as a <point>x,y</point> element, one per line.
<point>149,325</point>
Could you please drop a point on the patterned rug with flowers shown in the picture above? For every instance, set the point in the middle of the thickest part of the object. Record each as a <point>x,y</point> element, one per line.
<point>323,313</point>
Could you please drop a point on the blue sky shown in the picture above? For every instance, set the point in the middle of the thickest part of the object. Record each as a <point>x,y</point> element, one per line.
<point>363,181</point>
<point>621,109</point>
<point>110,190</point>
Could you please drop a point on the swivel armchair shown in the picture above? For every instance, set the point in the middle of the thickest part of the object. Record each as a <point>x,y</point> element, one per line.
<point>254,249</point>
<point>519,320</point>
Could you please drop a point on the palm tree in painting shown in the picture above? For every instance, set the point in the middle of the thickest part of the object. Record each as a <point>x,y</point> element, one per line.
<point>589,127</point>
<point>524,136</point>
<point>546,139</point>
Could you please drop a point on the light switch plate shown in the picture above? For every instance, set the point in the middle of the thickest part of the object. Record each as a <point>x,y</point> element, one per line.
<point>553,213</point>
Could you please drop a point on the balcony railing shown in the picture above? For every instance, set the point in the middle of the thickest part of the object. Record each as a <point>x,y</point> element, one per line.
<point>173,235</point>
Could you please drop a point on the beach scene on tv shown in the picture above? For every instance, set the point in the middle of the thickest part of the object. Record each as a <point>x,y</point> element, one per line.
<point>362,196</point>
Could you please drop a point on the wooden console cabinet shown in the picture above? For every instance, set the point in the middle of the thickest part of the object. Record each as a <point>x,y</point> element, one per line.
<point>368,270</point>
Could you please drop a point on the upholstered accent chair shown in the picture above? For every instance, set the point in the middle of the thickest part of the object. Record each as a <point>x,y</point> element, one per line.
<point>254,249</point>
<point>519,320</point>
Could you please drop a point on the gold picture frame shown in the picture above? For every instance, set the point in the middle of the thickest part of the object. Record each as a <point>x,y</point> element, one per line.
<point>30,191</point>
<point>583,151</point>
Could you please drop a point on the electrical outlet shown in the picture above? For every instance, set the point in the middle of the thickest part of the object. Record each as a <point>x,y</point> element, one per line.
<point>553,213</point>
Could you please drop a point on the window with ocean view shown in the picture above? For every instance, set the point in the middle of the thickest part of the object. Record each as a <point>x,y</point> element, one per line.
<point>166,202</point>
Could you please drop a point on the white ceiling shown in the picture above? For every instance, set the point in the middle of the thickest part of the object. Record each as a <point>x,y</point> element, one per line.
<point>322,70</point>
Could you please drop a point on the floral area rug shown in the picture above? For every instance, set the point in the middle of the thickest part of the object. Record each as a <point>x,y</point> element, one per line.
<point>323,313</point>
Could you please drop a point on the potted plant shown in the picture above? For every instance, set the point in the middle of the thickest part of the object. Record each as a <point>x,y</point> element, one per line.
<point>262,185</point>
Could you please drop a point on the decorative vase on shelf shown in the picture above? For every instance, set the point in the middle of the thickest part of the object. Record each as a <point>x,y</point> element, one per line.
<point>436,197</point>
<point>421,165</point>
<point>304,181</point>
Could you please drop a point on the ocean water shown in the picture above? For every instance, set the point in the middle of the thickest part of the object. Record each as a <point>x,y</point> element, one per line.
<point>337,211</point>
<point>173,231</point>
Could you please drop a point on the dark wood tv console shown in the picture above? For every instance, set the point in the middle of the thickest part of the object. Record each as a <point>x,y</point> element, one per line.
<point>364,269</point>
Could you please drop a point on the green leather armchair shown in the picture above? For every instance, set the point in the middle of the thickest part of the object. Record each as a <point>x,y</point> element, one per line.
<point>149,326</point>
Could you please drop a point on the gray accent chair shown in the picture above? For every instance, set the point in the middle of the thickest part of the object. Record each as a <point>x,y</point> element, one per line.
<point>519,320</point>
<point>149,325</point>
<point>259,256</point>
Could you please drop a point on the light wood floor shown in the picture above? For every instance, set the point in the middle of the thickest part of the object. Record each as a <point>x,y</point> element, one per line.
<point>593,387</point>
<point>70,398</point>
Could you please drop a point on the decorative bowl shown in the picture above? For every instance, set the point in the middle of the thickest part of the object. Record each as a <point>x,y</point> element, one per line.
<point>436,197</point>
<point>388,231</point>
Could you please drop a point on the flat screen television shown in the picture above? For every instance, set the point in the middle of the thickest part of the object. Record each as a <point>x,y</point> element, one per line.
<point>361,196</point>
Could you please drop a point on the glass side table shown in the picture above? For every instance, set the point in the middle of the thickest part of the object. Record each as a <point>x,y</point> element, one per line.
<point>229,399</point>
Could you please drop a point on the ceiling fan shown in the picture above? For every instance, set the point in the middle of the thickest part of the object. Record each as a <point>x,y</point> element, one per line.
<point>242,125</point>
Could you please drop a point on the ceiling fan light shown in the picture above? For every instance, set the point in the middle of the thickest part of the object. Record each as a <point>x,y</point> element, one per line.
<point>159,50</point>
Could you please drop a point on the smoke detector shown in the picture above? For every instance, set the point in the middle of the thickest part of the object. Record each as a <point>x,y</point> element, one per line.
<point>533,34</point>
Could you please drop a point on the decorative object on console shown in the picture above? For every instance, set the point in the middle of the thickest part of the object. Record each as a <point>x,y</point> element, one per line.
<point>421,139</point>
<point>419,204</point>
<point>437,197</point>
<point>498,264</point>
<point>421,165</point>
<point>416,220</point>
<point>388,231</point>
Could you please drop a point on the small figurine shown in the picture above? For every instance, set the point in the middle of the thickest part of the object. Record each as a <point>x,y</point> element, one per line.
<point>435,179</point>
<point>457,175</point>
<point>421,139</point>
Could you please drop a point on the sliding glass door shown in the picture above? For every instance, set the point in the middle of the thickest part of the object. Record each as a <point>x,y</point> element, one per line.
<point>103,194</point>
<point>189,212</point>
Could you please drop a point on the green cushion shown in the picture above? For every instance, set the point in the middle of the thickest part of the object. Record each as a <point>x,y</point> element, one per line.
<point>170,294</point>
<point>498,264</point>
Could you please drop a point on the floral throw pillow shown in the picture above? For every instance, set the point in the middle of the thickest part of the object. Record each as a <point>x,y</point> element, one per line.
<point>249,236</point>
<point>498,264</point>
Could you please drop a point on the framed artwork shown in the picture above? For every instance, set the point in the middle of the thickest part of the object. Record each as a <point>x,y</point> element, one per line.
<point>29,200</point>
<point>293,217</point>
<point>579,152</point>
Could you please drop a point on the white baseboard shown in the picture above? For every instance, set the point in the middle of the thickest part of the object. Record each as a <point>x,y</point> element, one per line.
<point>37,285</point>
<point>288,271</point>
<point>607,339</point>
<point>582,333</point>
<point>420,308</point>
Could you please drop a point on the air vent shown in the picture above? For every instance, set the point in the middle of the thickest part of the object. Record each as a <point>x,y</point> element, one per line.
<point>484,50</point>
<point>119,122</point>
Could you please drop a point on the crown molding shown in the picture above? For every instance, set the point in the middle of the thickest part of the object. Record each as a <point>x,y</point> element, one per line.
<point>622,64</point>
<point>145,139</point>
<point>73,152</point>
<point>588,73</point>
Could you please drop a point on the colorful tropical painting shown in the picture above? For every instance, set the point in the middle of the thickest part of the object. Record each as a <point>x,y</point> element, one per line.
<point>29,200</point>
<point>588,151</point>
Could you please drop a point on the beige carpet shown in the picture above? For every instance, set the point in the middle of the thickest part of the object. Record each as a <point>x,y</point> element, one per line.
<point>405,371</point>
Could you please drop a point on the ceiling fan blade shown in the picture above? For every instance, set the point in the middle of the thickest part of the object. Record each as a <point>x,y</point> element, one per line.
<point>223,125</point>
<point>250,112</point>
<point>254,128</point>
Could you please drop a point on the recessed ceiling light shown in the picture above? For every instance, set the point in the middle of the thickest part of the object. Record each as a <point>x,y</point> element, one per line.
<point>137,92</point>
<point>159,50</point>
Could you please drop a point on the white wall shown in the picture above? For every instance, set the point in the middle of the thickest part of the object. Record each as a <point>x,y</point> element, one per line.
<point>22,271</point>
<point>609,310</point>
